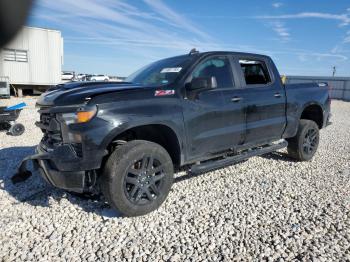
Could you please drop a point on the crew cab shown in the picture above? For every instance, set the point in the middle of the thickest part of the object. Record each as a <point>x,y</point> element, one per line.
<point>200,111</point>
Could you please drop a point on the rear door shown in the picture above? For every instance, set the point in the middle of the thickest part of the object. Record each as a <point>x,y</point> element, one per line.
<point>213,122</point>
<point>264,99</point>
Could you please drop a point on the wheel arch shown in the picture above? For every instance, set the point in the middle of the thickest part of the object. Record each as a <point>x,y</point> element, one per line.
<point>313,111</point>
<point>161,134</point>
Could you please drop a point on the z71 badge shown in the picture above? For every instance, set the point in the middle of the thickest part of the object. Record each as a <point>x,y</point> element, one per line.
<point>164,92</point>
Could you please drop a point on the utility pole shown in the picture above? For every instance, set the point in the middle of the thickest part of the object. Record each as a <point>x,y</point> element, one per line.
<point>334,70</point>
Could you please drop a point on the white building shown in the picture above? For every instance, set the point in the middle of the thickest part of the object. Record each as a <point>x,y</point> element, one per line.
<point>33,60</point>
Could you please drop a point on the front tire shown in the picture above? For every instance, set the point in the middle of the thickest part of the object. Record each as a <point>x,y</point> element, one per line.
<point>304,145</point>
<point>137,177</point>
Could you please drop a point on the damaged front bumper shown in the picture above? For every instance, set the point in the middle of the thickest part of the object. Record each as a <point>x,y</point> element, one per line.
<point>62,168</point>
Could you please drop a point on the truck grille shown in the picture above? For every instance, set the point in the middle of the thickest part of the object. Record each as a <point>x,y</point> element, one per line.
<point>50,127</point>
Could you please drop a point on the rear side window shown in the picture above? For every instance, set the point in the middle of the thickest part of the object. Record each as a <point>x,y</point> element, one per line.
<point>219,67</point>
<point>255,72</point>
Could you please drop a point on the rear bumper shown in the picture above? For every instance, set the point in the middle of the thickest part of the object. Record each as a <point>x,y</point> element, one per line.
<point>63,169</point>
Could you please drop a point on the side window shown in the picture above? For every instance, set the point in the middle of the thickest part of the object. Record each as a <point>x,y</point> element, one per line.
<point>255,72</point>
<point>219,67</point>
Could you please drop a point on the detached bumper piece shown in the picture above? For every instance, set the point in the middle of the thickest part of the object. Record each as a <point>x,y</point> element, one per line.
<point>23,173</point>
<point>72,181</point>
<point>60,168</point>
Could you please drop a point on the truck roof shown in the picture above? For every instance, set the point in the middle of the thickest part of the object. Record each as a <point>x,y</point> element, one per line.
<point>208,53</point>
<point>235,53</point>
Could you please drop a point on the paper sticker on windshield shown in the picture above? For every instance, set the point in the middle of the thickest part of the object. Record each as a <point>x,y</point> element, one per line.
<point>171,70</point>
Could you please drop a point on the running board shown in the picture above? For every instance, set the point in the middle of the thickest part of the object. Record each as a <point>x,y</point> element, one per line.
<point>216,164</point>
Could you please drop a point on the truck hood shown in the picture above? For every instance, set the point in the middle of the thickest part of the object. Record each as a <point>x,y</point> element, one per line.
<point>78,93</point>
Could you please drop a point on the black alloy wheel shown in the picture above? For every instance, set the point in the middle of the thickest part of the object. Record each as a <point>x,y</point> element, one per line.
<point>304,144</point>
<point>137,177</point>
<point>310,141</point>
<point>144,180</point>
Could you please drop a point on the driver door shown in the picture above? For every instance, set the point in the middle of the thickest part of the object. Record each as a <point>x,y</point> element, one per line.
<point>213,123</point>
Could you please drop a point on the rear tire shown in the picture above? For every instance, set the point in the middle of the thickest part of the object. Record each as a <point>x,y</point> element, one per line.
<point>304,145</point>
<point>137,177</point>
<point>17,129</point>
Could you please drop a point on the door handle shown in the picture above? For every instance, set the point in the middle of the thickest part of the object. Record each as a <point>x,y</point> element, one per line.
<point>236,99</point>
<point>277,95</point>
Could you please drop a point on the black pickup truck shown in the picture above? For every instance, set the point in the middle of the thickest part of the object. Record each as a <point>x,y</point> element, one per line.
<point>197,112</point>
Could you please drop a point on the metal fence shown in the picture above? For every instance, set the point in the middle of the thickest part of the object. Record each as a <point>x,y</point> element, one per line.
<point>339,86</point>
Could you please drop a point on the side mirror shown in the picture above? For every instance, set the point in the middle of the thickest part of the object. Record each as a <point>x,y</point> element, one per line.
<point>203,83</point>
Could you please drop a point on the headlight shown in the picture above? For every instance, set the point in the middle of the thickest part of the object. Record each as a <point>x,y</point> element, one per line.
<point>82,115</point>
<point>68,118</point>
<point>86,116</point>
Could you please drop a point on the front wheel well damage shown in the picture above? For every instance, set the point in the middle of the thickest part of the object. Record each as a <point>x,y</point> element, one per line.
<point>314,113</point>
<point>160,134</point>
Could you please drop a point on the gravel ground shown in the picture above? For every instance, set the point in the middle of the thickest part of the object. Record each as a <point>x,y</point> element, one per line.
<point>267,207</point>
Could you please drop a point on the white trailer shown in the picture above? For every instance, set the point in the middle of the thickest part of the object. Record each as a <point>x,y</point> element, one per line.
<point>33,60</point>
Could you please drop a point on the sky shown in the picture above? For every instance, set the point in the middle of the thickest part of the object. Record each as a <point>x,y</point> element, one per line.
<point>116,37</point>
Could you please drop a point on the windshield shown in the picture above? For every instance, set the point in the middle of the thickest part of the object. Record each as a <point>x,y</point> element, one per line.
<point>161,72</point>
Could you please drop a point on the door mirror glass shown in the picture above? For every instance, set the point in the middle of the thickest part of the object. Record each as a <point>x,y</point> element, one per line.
<point>203,83</point>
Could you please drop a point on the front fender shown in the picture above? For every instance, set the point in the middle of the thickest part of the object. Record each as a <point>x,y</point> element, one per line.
<point>120,117</point>
<point>123,127</point>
